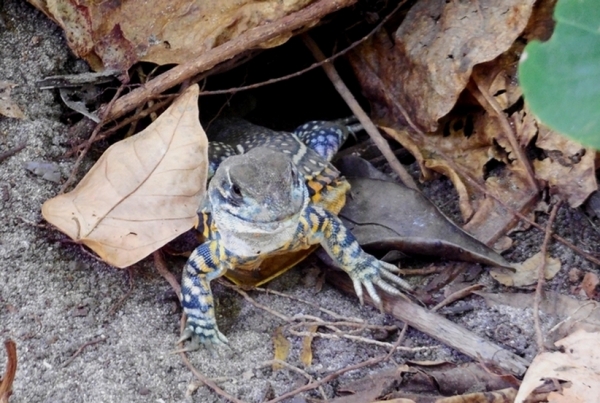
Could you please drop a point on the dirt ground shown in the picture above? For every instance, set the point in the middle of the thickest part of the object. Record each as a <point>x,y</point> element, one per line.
<point>87,332</point>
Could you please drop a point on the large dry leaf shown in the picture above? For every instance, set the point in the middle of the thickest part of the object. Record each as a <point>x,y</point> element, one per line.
<point>143,192</point>
<point>434,50</point>
<point>418,228</point>
<point>578,362</point>
<point>119,33</point>
<point>8,107</point>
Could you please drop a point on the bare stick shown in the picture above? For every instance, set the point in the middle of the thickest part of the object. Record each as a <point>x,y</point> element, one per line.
<point>9,153</point>
<point>440,328</point>
<point>542,280</point>
<point>161,267</point>
<point>248,40</point>
<point>305,374</point>
<point>363,118</point>
<point>80,349</point>
<point>253,302</point>
<point>207,381</point>
<point>455,296</point>
<point>327,311</point>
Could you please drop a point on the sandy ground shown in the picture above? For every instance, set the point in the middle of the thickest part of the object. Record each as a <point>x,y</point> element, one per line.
<point>54,298</point>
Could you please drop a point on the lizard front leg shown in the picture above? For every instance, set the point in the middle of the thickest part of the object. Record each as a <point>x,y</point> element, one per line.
<point>321,226</point>
<point>206,263</point>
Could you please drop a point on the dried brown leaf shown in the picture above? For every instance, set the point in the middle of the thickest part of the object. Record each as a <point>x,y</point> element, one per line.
<point>434,50</point>
<point>578,362</point>
<point>8,107</point>
<point>526,273</point>
<point>143,192</point>
<point>118,34</point>
<point>414,81</point>
<point>589,284</point>
<point>568,167</point>
<point>281,346</point>
<point>457,155</point>
<point>306,354</point>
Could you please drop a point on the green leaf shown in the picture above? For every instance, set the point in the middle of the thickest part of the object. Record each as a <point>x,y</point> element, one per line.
<point>561,77</point>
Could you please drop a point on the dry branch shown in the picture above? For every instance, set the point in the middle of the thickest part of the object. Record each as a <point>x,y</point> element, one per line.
<point>440,328</point>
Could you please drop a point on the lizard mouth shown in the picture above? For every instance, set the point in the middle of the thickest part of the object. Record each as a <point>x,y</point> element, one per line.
<point>266,224</point>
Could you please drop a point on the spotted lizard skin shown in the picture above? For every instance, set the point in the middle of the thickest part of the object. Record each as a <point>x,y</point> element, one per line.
<point>272,193</point>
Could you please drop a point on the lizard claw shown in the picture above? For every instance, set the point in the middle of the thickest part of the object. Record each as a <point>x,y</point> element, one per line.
<point>201,334</point>
<point>375,273</point>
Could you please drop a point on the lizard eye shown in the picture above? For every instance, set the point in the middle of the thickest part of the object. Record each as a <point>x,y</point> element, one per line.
<point>236,191</point>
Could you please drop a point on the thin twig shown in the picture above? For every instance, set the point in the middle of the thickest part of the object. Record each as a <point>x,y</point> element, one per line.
<point>365,340</point>
<point>253,302</point>
<point>455,296</point>
<point>80,350</point>
<point>421,272</point>
<point>363,118</point>
<point>161,267</point>
<point>333,375</point>
<point>325,310</point>
<point>542,279</point>
<point>9,153</point>
<point>305,374</point>
<point>207,381</point>
<point>494,109</point>
<point>91,140</point>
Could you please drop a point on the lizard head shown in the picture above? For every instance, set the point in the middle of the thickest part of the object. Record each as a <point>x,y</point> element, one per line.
<point>260,191</point>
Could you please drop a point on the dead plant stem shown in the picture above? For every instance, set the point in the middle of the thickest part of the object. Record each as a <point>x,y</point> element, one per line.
<point>358,111</point>
<point>539,336</point>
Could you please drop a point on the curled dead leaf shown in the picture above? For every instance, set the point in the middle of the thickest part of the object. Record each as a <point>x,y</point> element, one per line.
<point>143,192</point>
<point>429,62</point>
<point>578,362</point>
<point>526,273</point>
<point>568,167</point>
